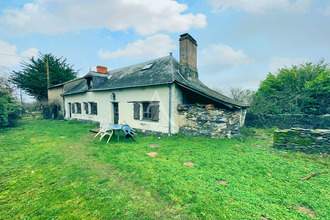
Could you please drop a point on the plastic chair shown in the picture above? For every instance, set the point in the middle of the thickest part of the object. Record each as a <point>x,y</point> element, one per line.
<point>128,133</point>
<point>104,130</point>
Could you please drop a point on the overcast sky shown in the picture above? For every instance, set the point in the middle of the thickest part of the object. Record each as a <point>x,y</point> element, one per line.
<point>239,41</point>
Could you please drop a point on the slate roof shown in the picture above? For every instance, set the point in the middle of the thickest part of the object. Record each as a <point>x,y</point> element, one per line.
<point>165,70</point>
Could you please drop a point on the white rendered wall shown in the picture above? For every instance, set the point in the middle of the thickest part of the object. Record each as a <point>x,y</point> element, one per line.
<point>125,97</point>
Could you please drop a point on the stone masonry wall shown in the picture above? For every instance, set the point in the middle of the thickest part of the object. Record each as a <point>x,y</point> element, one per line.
<point>214,123</point>
<point>286,121</point>
<point>305,140</point>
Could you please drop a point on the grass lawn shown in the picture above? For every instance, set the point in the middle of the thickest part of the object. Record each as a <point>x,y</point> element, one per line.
<point>52,169</point>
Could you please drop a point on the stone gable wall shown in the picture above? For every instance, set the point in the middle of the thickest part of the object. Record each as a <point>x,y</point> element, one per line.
<point>214,123</point>
<point>305,140</point>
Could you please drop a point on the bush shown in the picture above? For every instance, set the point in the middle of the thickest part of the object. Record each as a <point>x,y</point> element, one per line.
<point>9,109</point>
<point>303,89</point>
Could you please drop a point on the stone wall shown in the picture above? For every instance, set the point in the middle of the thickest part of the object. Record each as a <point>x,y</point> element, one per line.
<point>305,140</point>
<point>214,123</point>
<point>286,121</point>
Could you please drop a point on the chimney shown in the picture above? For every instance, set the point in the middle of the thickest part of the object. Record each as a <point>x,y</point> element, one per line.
<point>101,69</point>
<point>188,57</point>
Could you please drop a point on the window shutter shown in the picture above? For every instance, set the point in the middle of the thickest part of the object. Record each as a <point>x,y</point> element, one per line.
<point>155,111</point>
<point>95,108</point>
<point>86,108</point>
<point>136,110</point>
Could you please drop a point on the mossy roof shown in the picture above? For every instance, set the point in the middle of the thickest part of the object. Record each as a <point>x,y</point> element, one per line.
<point>165,70</point>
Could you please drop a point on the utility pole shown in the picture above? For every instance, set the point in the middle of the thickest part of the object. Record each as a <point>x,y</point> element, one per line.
<point>47,66</point>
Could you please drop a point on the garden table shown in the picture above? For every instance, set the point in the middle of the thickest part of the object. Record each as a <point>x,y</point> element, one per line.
<point>116,127</point>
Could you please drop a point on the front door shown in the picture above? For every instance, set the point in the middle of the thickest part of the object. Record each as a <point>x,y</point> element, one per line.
<point>70,110</point>
<point>115,113</point>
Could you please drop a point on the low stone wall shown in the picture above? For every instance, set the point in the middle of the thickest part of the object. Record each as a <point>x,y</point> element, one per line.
<point>286,121</point>
<point>214,123</point>
<point>305,140</point>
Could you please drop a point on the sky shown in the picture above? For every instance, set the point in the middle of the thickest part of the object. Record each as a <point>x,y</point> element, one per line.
<point>239,41</point>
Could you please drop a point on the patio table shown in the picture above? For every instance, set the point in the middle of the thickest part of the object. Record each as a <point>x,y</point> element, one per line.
<point>116,127</point>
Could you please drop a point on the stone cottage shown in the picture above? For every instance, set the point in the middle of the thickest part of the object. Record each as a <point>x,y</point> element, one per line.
<point>161,95</point>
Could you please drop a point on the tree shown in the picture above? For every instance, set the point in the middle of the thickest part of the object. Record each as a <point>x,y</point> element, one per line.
<point>9,107</point>
<point>33,76</point>
<point>237,93</point>
<point>300,89</point>
<point>242,95</point>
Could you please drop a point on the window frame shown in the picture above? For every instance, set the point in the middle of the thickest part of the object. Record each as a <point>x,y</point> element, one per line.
<point>93,108</point>
<point>150,110</point>
<point>73,109</point>
<point>78,106</point>
<point>86,109</point>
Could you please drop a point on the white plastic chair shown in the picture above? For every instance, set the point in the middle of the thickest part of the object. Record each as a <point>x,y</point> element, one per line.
<point>104,130</point>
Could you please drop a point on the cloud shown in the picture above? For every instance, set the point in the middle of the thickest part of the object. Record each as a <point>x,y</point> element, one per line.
<point>9,56</point>
<point>152,47</point>
<point>261,6</point>
<point>219,57</point>
<point>59,16</point>
<point>326,11</point>
<point>276,63</point>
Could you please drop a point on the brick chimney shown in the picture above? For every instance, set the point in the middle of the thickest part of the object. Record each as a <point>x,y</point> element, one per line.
<point>101,69</point>
<point>188,57</point>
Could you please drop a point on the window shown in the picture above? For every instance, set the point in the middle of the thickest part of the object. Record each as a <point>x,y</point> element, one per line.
<point>151,111</point>
<point>78,105</point>
<point>73,109</point>
<point>148,66</point>
<point>93,108</point>
<point>136,107</point>
<point>113,96</point>
<point>89,82</point>
<point>86,108</point>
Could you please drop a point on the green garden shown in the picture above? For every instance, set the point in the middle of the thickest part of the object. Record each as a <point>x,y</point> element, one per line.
<point>52,169</point>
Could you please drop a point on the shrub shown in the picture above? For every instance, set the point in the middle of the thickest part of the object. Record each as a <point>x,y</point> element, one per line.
<point>9,109</point>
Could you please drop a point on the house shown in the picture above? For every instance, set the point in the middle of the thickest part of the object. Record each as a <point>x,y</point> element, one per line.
<point>160,95</point>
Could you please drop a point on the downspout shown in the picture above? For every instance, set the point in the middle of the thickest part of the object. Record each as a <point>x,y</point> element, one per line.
<point>169,108</point>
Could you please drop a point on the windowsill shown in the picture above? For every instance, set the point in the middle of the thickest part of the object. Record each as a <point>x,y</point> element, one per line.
<point>148,120</point>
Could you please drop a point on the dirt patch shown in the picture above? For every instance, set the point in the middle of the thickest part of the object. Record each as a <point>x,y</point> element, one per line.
<point>306,211</point>
<point>152,154</point>
<point>264,218</point>
<point>154,145</point>
<point>222,182</point>
<point>273,152</point>
<point>189,164</point>
<point>96,130</point>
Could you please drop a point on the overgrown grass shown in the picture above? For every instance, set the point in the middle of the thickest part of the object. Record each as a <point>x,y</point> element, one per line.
<point>53,169</point>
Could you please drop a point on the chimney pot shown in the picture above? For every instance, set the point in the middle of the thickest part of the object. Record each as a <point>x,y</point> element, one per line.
<point>101,69</point>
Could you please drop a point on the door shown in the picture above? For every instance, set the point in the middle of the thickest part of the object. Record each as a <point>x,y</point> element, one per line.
<point>69,110</point>
<point>115,113</point>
